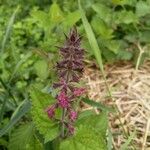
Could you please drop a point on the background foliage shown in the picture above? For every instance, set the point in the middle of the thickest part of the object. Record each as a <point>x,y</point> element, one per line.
<point>30,32</point>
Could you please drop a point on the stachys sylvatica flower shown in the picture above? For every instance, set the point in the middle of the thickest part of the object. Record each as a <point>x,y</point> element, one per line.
<point>69,70</point>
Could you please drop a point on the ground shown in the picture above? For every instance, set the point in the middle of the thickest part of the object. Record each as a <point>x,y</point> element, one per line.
<point>130,90</point>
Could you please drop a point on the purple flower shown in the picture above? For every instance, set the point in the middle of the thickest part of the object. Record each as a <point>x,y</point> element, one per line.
<point>51,111</point>
<point>78,91</point>
<point>63,100</point>
<point>71,129</point>
<point>73,115</point>
<point>70,70</point>
<point>62,84</point>
<point>71,66</point>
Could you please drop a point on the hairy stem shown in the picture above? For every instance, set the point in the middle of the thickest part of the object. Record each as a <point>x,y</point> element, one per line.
<point>64,114</point>
<point>63,125</point>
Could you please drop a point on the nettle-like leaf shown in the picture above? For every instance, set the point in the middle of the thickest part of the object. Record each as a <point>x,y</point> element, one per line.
<point>41,17</point>
<point>40,101</point>
<point>72,18</point>
<point>124,55</point>
<point>56,15</point>
<point>101,28</point>
<point>109,55</point>
<point>23,138</point>
<point>142,8</point>
<point>113,45</point>
<point>125,17</point>
<point>90,133</point>
<point>124,2</point>
<point>103,11</point>
<point>41,69</point>
<point>47,20</point>
<point>86,138</point>
<point>98,122</point>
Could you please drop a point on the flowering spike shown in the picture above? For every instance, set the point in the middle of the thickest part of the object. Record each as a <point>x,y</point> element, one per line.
<point>69,69</point>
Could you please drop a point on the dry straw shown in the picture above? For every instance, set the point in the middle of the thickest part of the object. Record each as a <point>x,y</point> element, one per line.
<point>131,92</point>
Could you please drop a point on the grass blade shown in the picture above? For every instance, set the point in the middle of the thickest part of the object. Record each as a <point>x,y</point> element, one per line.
<point>2,108</point>
<point>109,141</point>
<point>23,108</point>
<point>97,104</point>
<point>8,91</point>
<point>8,30</point>
<point>97,53</point>
<point>27,56</point>
<point>92,39</point>
<point>128,141</point>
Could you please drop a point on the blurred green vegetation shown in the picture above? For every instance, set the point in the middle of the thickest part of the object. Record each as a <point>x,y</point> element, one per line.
<point>31,30</point>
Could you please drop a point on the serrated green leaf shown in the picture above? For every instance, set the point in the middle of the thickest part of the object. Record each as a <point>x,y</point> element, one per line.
<point>97,121</point>
<point>23,138</point>
<point>145,36</point>
<point>125,17</point>
<point>56,15</point>
<point>113,45</point>
<point>118,2</point>
<point>124,2</point>
<point>131,37</point>
<point>142,8</point>
<point>86,113</point>
<point>86,138</point>
<point>53,133</point>
<point>40,98</point>
<point>40,101</point>
<point>42,18</point>
<point>41,68</point>
<point>101,28</point>
<point>72,18</point>
<point>109,55</point>
<point>103,11</point>
<point>124,55</point>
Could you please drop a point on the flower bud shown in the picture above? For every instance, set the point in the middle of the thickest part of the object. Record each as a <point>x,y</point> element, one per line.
<point>63,100</point>
<point>51,111</point>
<point>78,91</point>
<point>71,129</point>
<point>73,115</point>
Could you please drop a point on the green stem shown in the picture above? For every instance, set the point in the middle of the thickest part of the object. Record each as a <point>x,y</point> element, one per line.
<point>63,125</point>
<point>141,51</point>
<point>64,114</point>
